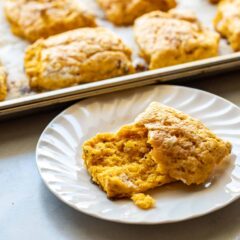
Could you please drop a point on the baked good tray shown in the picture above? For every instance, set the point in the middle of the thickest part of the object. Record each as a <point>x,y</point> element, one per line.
<point>22,99</point>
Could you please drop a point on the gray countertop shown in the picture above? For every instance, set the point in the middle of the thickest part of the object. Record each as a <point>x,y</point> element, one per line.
<point>29,211</point>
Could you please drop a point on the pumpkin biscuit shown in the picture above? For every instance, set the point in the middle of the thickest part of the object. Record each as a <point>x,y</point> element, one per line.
<point>186,148</point>
<point>227,22</point>
<point>78,56</point>
<point>162,145</point>
<point>124,12</point>
<point>175,37</point>
<point>34,19</point>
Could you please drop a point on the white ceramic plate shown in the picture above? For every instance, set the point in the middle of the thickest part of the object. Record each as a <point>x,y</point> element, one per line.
<point>61,167</point>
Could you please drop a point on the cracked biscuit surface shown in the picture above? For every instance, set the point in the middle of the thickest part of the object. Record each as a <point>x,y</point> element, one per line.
<point>175,37</point>
<point>186,148</point>
<point>162,145</point>
<point>78,56</point>
<point>34,19</point>
<point>227,22</point>
<point>124,12</point>
<point>3,83</point>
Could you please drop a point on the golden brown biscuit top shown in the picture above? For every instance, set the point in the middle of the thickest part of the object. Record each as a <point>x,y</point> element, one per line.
<point>88,40</point>
<point>227,21</point>
<point>159,30</point>
<point>188,149</point>
<point>175,37</point>
<point>125,5</point>
<point>77,56</point>
<point>34,19</point>
<point>34,12</point>
<point>124,12</point>
<point>229,14</point>
<point>77,45</point>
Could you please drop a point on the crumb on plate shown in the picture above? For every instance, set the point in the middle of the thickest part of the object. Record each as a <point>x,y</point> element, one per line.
<point>143,201</point>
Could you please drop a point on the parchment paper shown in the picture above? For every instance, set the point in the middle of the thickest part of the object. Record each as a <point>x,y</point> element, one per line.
<point>12,48</point>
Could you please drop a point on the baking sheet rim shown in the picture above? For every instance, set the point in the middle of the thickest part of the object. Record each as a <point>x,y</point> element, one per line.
<point>147,77</point>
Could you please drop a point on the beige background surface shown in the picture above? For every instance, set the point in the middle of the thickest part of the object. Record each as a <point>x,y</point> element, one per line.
<point>29,211</point>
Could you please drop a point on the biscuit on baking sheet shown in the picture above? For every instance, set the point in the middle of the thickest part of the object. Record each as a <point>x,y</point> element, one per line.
<point>34,19</point>
<point>3,83</point>
<point>175,37</point>
<point>77,56</point>
<point>227,22</point>
<point>124,12</point>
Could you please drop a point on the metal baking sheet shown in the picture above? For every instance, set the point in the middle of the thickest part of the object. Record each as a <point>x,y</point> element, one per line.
<point>21,98</point>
